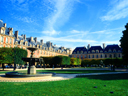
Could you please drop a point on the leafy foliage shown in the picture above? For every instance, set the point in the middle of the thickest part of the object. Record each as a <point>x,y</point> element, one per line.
<point>12,55</point>
<point>18,55</point>
<point>124,43</point>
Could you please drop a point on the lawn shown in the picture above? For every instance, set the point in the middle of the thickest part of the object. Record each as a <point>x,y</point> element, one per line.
<point>81,86</point>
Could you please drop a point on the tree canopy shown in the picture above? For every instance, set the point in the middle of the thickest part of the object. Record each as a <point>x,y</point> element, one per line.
<point>124,43</point>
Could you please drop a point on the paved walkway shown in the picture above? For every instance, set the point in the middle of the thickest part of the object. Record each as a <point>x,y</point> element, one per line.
<point>57,77</point>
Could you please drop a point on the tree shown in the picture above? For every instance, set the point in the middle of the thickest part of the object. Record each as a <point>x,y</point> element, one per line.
<point>124,43</point>
<point>18,55</point>
<point>6,56</point>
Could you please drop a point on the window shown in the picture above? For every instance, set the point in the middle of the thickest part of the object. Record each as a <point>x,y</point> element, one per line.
<point>2,38</point>
<point>100,56</point>
<point>10,40</point>
<point>119,56</point>
<point>6,39</point>
<point>74,56</point>
<point>77,52</point>
<point>115,55</point>
<point>96,56</point>
<point>89,56</point>
<point>85,52</point>
<point>2,31</point>
<point>93,51</point>
<point>85,56</point>
<point>21,43</point>
<point>81,52</point>
<point>81,57</point>
<point>114,50</point>
<point>97,51</point>
<point>109,50</point>
<point>110,56</point>
<point>105,56</point>
<point>92,56</point>
<point>88,51</point>
<point>101,51</point>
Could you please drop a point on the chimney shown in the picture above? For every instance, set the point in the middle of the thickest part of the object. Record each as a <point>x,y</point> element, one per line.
<point>31,39</point>
<point>16,34</point>
<point>35,39</point>
<point>88,46</point>
<point>4,24</point>
<point>103,45</point>
<point>24,37</point>
<point>41,41</point>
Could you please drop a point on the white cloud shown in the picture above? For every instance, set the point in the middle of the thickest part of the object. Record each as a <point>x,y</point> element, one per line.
<point>62,10</point>
<point>65,39</point>
<point>118,11</point>
<point>25,19</point>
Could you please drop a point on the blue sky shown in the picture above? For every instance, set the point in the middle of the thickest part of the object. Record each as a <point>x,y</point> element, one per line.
<point>68,23</point>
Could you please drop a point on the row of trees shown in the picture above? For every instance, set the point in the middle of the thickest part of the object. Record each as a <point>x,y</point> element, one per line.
<point>97,62</point>
<point>12,56</point>
<point>61,61</point>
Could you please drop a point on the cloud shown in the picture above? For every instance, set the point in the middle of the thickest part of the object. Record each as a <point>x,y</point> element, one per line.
<point>65,39</point>
<point>62,9</point>
<point>118,11</point>
<point>25,19</point>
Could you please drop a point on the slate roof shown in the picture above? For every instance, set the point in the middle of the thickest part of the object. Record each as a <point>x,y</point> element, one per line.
<point>112,47</point>
<point>95,48</point>
<point>79,49</point>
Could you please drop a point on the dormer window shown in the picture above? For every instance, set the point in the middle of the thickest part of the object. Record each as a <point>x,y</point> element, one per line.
<point>26,44</point>
<point>93,51</point>
<point>109,50</point>
<point>88,51</point>
<point>81,52</point>
<point>114,50</point>
<point>2,31</point>
<point>77,52</point>
<point>85,52</point>
<point>101,51</point>
<point>10,33</point>
<point>97,51</point>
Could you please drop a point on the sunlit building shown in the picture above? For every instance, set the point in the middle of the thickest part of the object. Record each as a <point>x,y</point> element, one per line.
<point>8,39</point>
<point>97,52</point>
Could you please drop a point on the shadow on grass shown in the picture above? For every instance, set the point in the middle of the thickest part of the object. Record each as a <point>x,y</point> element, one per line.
<point>123,76</point>
<point>75,71</point>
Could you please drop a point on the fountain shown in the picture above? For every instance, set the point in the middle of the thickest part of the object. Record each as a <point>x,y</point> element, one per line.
<point>31,69</point>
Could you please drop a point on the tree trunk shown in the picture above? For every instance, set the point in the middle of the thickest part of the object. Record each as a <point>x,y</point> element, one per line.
<point>14,67</point>
<point>3,66</point>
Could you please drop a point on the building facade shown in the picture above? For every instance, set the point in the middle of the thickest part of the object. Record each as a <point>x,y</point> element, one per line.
<point>8,39</point>
<point>97,52</point>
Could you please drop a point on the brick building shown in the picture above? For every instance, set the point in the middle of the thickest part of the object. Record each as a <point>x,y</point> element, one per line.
<point>8,39</point>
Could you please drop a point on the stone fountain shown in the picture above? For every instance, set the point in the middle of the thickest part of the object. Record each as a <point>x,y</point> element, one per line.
<point>31,72</point>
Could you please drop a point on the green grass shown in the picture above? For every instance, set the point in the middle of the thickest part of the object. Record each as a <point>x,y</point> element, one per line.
<point>82,86</point>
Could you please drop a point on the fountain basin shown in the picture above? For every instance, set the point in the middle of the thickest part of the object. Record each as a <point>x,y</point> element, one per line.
<point>38,74</point>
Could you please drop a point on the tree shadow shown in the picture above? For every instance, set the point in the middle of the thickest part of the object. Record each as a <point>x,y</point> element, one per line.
<point>122,76</point>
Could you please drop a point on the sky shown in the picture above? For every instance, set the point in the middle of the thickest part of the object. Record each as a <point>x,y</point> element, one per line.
<point>68,23</point>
